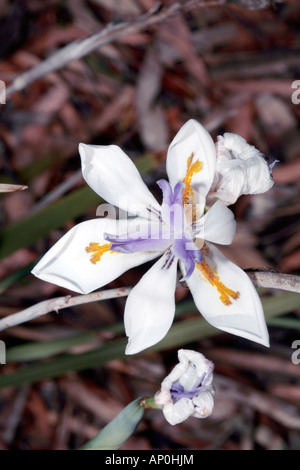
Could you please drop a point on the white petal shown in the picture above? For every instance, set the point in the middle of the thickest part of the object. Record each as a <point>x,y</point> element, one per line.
<point>68,264</point>
<point>192,365</point>
<point>204,404</point>
<point>150,307</point>
<point>192,138</point>
<point>178,412</point>
<point>239,147</point>
<point>242,316</point>
<point>178,371</point>
<point>113,175</point>
<point>217,225</point>
<point>197,365</point>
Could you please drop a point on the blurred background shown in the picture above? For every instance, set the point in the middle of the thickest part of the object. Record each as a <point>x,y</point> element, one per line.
<point>231,66</point>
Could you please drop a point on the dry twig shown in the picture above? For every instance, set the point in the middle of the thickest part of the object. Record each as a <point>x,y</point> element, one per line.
<point>112,32</point>
<point>259,279</point>
<point>11,188</point>
<point>59,303</point>
<point>274,280</point>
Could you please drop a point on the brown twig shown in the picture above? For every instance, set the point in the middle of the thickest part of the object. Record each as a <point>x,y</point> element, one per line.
<point>11,188</point>
<point>59,303</point>
<point>112,32</point>
<point>260,279</point>
<point>274,280</point>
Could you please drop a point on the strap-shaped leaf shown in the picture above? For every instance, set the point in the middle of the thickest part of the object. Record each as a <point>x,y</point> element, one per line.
<point>116,433</point>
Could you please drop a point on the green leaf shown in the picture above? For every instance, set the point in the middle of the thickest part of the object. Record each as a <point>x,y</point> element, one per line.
<point>36,350</point>
<point>37,167</point>
<point>26,232</point>
<point>116,433</point>
<point>57,367</point>
<point>32,351</point>
<point>291,323</point>
<point>16,276</point>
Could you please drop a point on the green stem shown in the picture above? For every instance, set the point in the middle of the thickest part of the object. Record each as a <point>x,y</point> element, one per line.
<point>148,403</point>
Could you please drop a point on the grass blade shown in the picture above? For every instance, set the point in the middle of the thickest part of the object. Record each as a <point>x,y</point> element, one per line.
<point>26,232</point>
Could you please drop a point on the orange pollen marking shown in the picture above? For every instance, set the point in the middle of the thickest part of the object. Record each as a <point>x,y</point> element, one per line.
<point>97,250</point>
<point>192,168</point>
<point>214,280</point>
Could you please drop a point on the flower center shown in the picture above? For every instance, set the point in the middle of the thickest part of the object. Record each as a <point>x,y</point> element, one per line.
<point>173,214</point>
<point>168,233</point>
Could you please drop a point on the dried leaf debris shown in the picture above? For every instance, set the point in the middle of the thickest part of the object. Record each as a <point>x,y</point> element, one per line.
<point>229,64</point>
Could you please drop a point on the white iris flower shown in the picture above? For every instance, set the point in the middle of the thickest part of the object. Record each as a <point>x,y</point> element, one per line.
<point>178,231</point>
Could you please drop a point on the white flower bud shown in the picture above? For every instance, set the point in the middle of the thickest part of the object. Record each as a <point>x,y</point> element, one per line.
<point>240,169</point>
<point>187,390</point>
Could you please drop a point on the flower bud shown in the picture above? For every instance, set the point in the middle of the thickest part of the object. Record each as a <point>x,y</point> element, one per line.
<point>187,390</point>
<point>240,169</point>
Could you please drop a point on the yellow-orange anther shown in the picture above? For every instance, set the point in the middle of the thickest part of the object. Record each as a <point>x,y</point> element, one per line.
<point>214,280</point>
<point>97,250</point>
<point>188,196</point>
<point>192,168</point>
